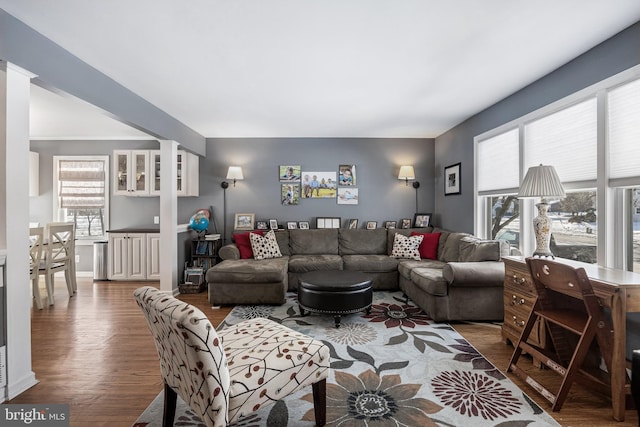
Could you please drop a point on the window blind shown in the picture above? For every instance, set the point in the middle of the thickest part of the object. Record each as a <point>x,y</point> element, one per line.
<point>566,140</point>
<point>81,184</point>
<point>624,130</point>
<point>497,162</point>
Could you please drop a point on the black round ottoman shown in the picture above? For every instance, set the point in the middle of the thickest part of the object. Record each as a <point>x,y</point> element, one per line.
<point>334,292</point>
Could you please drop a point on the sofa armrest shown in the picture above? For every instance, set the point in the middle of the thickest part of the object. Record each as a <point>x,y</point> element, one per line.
<point>229,251</point>
<point>481,273</point>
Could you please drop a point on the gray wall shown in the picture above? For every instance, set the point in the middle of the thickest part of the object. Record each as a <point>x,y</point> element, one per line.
<point>617,54</point>
<point>382,196</point>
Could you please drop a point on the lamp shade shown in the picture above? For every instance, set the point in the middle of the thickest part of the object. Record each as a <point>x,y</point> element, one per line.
<point>541,181</point>
<point>406,173</point>
<point>235,173</point>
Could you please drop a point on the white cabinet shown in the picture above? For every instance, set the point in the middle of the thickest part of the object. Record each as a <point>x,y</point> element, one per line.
<point>128,256</point>
<point>153,256</point>
<point>130,172</point>
<point>137,173</point>
<point>188,170</point>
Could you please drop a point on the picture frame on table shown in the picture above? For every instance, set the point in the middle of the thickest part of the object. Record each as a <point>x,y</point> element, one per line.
<point>244,221</point>
<point>292,225</point>
<point>273,224</point>
<point>328,222</point>
<point>262,225</point>
<point>421,220</point>
<point>372,225</point>
<point>303,225</point>
<point>390,224</point>
<point>452,179</point>
<point>352,223</point>
<point>406,223</point>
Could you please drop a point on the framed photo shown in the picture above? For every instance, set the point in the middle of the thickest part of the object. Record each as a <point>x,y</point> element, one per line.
<point>289,173</point>
<point>244,221</point>
<point>303,225</point>
<point>352,224</point>
<point>390,224</point>
<point>328,222</point>
<point>347,196</point>
<point>319,185</point>
<point>262,225</point>
<point>406,223</point>
<point>347,175</point>
<point>372,225</point>
<point>452,179</point>
<point>273,224</point>
<point>292,225</point>
<point>290,194</point>
<point>421,220</point>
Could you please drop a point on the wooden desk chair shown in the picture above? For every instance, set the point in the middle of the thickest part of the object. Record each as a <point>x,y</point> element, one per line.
<point>59,256</point>
<point>35,257</point>
<point>228,374</point>
<point>574,318</point>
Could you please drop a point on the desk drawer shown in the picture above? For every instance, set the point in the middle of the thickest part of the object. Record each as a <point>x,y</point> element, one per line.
<point>517,277</point>
<point>514,320</point>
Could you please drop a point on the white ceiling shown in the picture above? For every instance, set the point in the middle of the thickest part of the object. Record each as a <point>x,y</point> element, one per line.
<point>308,68</point>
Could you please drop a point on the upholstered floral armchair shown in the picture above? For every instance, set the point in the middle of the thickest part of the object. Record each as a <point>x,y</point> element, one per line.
<point>225,375</point>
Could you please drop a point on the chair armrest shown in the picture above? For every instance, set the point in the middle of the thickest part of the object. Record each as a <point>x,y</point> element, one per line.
<point>229,251</point>
<point>481,273</point>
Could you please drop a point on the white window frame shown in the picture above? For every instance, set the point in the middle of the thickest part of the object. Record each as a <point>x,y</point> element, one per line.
<point>611,236</point>
<point>58,212</point>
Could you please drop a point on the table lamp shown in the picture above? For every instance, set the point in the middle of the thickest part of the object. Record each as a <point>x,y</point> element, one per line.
<point>542,181</point>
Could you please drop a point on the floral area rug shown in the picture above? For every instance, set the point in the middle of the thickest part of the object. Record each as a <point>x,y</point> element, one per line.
<point>392,367</point>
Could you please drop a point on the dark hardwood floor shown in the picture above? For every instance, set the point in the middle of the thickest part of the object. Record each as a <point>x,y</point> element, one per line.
<point>94,352</point>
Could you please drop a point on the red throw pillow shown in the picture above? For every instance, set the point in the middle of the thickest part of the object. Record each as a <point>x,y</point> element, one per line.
<point>429,247</point>
<point>244,244</point>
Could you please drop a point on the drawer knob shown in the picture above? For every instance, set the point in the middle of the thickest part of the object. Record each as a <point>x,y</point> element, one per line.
<point>518,280</point>
<point>515,322</point>
<point>516,301</point>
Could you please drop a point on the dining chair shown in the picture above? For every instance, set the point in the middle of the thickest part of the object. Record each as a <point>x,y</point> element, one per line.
<point>226,375</point>
<point>575,322</point>
<point>59,256</point>
<point>35,257</point>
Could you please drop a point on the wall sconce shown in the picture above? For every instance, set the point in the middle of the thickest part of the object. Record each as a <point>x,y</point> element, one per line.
<point>541,181</point>
<point>235,173</point>
<point>406,173</point>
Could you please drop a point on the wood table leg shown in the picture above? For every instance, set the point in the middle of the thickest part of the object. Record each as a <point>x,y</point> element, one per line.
<point>618,360</point>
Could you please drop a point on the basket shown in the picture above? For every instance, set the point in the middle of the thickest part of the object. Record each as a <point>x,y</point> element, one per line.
<point>191,288</point>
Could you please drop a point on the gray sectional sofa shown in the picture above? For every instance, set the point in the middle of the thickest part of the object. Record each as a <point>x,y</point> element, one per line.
<point>463,283</point>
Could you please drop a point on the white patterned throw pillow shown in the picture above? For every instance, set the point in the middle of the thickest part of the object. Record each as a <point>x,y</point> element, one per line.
<point>265,247</point>
<point>406,247</point>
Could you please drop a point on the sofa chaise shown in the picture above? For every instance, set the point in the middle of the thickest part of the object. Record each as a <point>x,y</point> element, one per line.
<point>456,277</point>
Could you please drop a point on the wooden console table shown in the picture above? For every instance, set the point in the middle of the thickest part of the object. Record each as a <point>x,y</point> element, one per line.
<point>617,289</point>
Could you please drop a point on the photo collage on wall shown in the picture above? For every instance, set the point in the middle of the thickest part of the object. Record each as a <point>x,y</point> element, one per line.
<point>296,184</point>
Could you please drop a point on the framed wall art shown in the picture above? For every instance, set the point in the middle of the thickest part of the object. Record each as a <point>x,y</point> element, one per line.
<point>290,194</point>
<point>318,185</point>
<point>347,196</point>
<point>452,179</point>
<point>421,220</point>
<point>244,221</point>
<point>289,173</point>
<point>347,175</point>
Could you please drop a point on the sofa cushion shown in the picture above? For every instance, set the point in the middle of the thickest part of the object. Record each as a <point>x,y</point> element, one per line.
<point>391,234</point>
<point>314,242</point>
<point>362,242</point>
<point>265,247</point>
<point>406,265</point>
<point>369,263</point>
<point>283,242</point>
<point>304,263</point>
<point>473,249</point>
<point>243,242</point>
<point>430,280</point>
<point>451,249</point>
<point>406,247</point>
<point>444,236</point>
<point>429,247</point>
<point>249,271</point>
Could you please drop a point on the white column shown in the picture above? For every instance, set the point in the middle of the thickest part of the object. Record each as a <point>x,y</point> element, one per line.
<point>15,86</point>
<point>169,217</point>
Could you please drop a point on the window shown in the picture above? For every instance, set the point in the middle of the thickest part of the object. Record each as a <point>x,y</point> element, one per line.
<point>82,194</point>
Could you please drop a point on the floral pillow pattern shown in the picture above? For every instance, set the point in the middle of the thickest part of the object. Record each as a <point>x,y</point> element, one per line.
<point>265,247</point>
<point>406,247</point>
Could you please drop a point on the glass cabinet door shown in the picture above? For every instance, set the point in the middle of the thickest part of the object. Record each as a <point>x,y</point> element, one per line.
<point>122,165</point>
<point>141,171</point>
